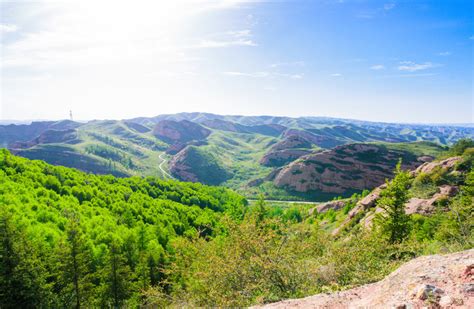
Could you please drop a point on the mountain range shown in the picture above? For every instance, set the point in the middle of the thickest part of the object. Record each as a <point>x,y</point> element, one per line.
<point>283,157</point>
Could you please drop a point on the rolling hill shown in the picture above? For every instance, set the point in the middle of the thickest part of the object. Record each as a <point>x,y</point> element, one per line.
<point>251,154</point>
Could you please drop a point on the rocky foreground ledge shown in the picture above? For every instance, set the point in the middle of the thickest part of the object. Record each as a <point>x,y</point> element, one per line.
<point>436,281</point>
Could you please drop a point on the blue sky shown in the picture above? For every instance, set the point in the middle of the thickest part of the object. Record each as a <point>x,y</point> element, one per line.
<point>396,61</point>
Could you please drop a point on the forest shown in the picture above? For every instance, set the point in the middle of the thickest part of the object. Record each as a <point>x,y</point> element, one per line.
<point>70,239</point>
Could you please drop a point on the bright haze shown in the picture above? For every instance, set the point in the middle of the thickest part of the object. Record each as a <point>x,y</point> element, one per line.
<point>396,61</point>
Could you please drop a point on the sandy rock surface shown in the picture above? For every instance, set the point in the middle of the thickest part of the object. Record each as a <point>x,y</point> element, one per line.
<point>436,281</point>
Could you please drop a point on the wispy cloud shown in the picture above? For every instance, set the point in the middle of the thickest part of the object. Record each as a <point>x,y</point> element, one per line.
<point>389,6</point>
<point>407,75</point>
<point>228,39</point>
<point>409,66</point>
<point>336,74</point>
<point>377,67</point>
<point>104,38</point>
<point>246,33</point>
<point>245,74</point>
<point>444,54</point>
<point>372,13</point>
<point>286,64</point>
<point>8,28</point>
<point>221,44</point>
<point>263,74</point>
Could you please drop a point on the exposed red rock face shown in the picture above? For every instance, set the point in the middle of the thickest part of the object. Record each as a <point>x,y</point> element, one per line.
<point>180,131</point>
<point>428,206</point>
<point>322,208</point>
<point>414,205</point>
<point>344,168</point>
<point>428,167</point>
<point>436,281</point>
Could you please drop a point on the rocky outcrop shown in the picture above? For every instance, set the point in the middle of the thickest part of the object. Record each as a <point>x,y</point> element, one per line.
<point>183,131</point>
<point>414,205</point>
<point>428,206</point>
<point>437,281</point>
<point>344,168</point>
<point>367,202</point>
<point>429,167</point>
<point>322,208</point>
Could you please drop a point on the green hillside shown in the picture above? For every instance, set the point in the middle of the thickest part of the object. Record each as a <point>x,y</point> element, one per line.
<point>244,152</point>
<point>110,226</point>
<point>71,239</point>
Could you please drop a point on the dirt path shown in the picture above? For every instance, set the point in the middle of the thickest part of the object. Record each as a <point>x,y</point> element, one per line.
<point>160,166</point>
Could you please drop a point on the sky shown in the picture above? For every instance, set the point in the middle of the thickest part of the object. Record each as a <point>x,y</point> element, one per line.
<point>392,61</point>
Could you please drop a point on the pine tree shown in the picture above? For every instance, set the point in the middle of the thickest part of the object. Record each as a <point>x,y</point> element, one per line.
<point>22,275</point>
<point>394,222</point>
<point>74,262</point>
<point>118,278</point>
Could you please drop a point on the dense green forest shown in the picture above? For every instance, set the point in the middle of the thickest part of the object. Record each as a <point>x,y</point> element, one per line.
<point>71,239</point>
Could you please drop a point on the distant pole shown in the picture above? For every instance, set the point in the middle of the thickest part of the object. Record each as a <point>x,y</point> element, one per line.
<point>70,114</point>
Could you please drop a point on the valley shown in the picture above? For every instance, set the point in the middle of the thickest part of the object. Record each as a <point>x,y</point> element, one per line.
<point>145,241</point>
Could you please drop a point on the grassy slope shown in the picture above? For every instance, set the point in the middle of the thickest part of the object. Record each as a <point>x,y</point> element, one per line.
<point>238,153</point>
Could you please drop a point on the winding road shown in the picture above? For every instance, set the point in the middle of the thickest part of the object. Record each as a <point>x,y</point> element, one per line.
<point>160,166</point>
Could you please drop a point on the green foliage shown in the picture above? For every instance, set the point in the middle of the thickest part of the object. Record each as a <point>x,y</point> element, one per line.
<point>205,166</point>
<point>460,146</point>
<point>394,222</point>
<point>70,239</point>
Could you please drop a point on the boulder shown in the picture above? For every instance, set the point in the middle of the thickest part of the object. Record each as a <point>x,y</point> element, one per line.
<point>430,166</point>
<point>335,205</point>
<point>428,206</point>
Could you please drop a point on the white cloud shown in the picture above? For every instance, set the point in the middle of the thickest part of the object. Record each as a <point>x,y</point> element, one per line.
<point>8,28</point>
<point>389,6</point>
<point>253,74</point>
<point>445,53</point>
<point>406,75</point>
<point>292,76</point>
<point>263,74</point>
<point>221,44</point>
<point>246,33</point>
<point>410,66</point>
<point>285,64</point>
<point>336,74</point>
<point>85,33</point>
<point>377,67</point>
